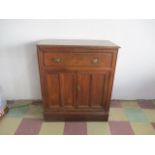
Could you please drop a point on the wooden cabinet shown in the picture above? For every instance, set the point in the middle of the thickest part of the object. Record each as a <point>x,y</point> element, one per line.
<point>76,78</point>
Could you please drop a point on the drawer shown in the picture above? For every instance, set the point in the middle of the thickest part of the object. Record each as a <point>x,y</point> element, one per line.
<point>78,59</point>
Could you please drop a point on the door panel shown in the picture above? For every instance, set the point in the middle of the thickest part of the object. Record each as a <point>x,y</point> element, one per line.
<point>53,90</point>
<point>83,89</point>
<point>67,83</point>
<point>97,90</point>
<point>60,89</point>
<point>77,90</point>
<point>92,91</point>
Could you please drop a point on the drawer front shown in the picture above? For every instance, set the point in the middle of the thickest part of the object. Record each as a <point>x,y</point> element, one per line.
<point>78,59</point>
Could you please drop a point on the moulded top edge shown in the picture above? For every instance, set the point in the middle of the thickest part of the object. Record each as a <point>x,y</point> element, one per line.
<point>78,42</point>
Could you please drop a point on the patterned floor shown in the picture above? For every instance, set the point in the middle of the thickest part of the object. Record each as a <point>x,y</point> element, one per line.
<point>126,118</point>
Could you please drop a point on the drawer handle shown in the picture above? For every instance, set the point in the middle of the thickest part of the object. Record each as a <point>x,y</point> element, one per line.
<point>95,61</point>
<point>57,60</point>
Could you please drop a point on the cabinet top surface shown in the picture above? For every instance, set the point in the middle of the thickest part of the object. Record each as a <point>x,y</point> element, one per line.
<point>78,42</point>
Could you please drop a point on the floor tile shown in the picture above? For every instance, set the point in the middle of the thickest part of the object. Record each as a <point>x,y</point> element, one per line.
<point>120,128</point>
<point>117,114</point>
<point>52,128</point>
<point>34,112</point>
<point>29,126</point>
<point>75,128</point>
<point>115,103</point>
<point>153,124</point>
<point>129,104</point>
<point>136,115</point>
<point>150,114</point>
<point>143,128</point>
<point>98,128</point>
<point>146,104</point>
<point>9,125</point>
<point>17,111</point>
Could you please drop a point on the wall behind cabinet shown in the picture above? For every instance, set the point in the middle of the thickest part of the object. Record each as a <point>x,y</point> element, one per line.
<point>135,71</point>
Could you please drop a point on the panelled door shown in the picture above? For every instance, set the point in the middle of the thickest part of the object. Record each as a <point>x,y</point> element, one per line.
<point>60,89</point>
<point>92,89</point>
<point>76,89</point>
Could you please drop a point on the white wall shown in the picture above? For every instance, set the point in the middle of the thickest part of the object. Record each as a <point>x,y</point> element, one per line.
<point>135,73</point>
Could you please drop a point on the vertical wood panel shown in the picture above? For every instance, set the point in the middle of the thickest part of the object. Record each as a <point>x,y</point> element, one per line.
<point>67,84</point>
<point>83,89</point>
<point>97,90</point>
<point>53,89</point>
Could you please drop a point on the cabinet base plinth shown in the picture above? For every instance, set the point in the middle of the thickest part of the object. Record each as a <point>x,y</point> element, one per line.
<point>93,116</point>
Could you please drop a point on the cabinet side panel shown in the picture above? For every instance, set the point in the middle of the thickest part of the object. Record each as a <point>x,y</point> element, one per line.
<point>42,77</point>
<point>111,80</point>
